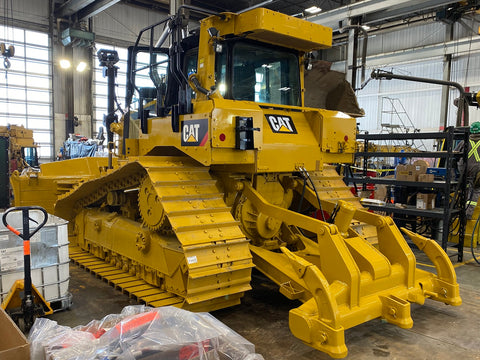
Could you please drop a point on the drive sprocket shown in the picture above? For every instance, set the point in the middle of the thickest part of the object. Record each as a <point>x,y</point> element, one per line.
<point>150,207</point>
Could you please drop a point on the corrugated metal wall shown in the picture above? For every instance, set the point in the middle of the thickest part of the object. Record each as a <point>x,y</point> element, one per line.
<point>464,28</point>
<point>466,71</point>
<point>25,12</point>
<point>420,101</point>
<point>121,23</point>
<point>418,34</point>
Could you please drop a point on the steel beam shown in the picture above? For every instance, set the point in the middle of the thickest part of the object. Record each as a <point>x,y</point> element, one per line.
<point>93,9</point>
<point>71,7</point>
<point>447,71</point>
<point>402,10</point>
<point>70,96</point>
<point>83,9</point>
<point>373,11</point>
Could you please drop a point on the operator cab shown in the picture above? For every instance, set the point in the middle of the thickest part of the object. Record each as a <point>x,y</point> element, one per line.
<point>255,58</point>
<point>245,70</point>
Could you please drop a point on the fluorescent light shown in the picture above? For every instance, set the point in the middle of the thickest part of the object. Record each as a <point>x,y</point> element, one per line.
<point>366,27</point>
<point>65,63</point>
<point>313,10</point>
<point>82,65</point>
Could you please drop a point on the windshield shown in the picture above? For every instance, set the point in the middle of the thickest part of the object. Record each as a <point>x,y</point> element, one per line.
<point>30,155</point>
<point>144,74</point>
<point>266,75</point>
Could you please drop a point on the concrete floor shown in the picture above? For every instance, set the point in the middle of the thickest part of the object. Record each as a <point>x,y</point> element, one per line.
<point>439,331</point>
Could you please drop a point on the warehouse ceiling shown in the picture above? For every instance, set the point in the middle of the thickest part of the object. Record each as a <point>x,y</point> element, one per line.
<point>289,7</point>
<point>87,8</point>
<point>368,11</point>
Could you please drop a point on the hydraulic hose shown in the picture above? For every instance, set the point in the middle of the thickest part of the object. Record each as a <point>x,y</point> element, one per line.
<point>193,80</point>
<point>307,175</point>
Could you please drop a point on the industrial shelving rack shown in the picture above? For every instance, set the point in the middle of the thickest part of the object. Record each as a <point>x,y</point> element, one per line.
<point>448,156</point>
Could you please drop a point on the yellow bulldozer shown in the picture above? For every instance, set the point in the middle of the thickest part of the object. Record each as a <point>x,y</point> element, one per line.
<point>17,152</point>
<point>215,172</point>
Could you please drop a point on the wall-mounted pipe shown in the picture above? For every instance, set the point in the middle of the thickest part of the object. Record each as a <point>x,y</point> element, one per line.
<point>462,109</point>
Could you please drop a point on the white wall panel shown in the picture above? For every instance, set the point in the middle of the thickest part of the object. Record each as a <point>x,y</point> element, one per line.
<point>466,69</point>
<point>35,12</point>
<point>412,36</point>
<point>468,27</point>
<point>124,22</point>
<point>370,105</point>
<point>420,101</point>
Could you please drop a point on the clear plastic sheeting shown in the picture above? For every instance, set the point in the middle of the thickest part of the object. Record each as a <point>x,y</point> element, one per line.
<point>141,332</point>
<point>73,149</point>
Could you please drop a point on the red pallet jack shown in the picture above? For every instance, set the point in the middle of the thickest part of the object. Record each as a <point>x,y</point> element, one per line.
<point>24,303</point>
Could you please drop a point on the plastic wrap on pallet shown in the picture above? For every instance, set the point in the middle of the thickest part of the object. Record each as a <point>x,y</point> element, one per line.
<point>52,339</point>
<point>78,149</point>
<point>141,332</point>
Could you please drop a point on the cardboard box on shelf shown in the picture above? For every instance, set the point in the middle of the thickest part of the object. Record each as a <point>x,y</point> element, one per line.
<point>401,173</point>
<point>410,167</point>
<point>421,167</point>
<point>425,201</point>
<point>412,174</point>
<point>380,192</point>
<point>426,177</point>
<point>14,345</point>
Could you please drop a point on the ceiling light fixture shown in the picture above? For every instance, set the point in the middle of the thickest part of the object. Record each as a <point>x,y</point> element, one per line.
<point>65,63</point>
<point>82,65</point>
<point>313,10</point>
